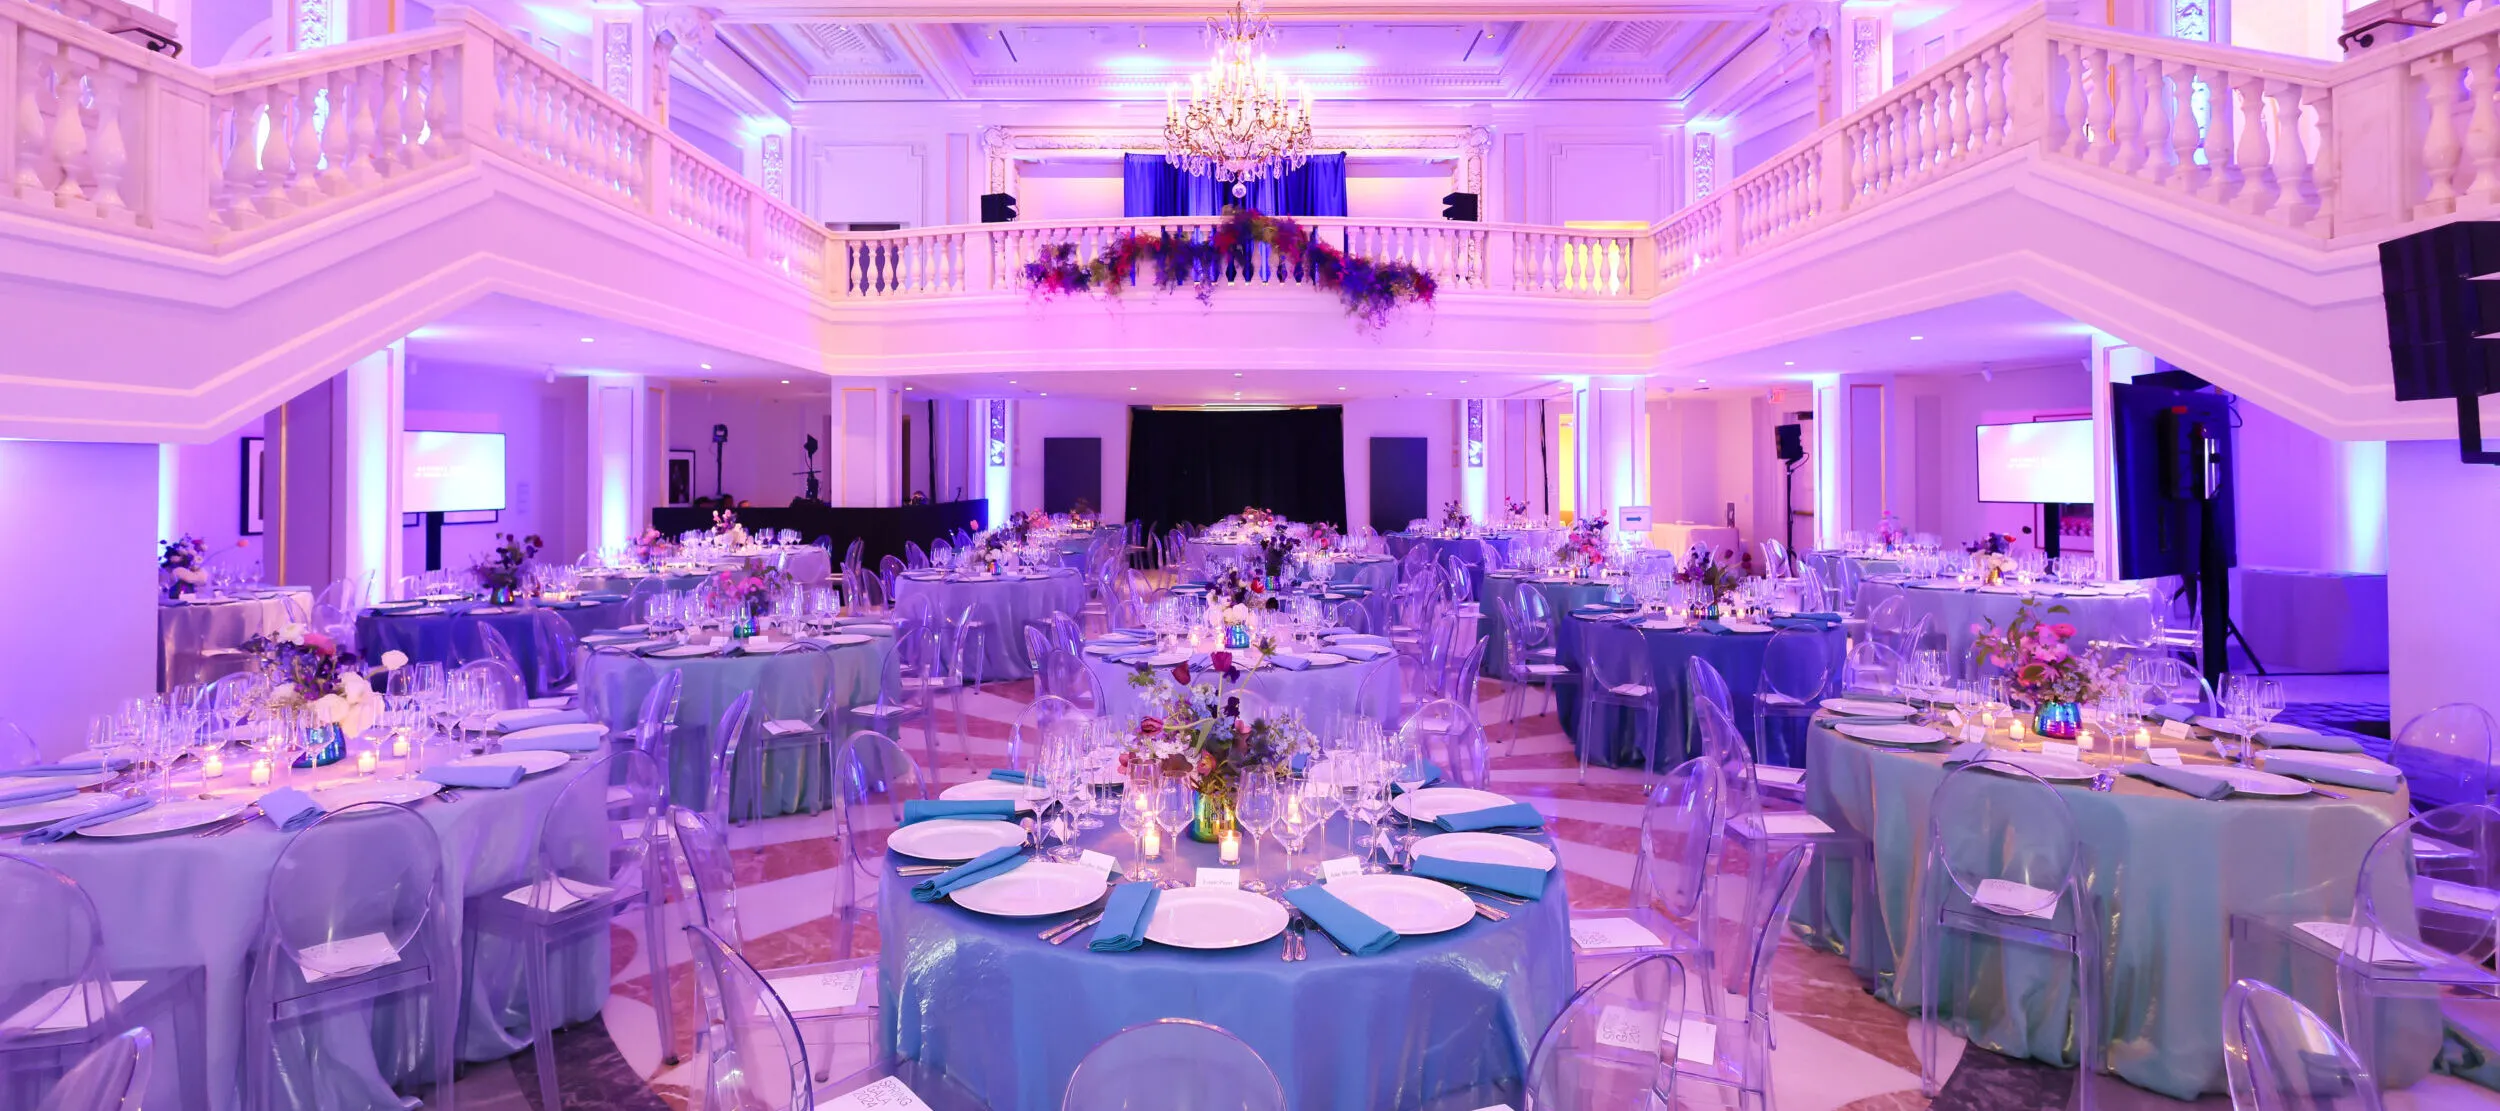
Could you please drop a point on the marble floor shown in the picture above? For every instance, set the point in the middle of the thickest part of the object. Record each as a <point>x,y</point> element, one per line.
<point>1839,1049</point>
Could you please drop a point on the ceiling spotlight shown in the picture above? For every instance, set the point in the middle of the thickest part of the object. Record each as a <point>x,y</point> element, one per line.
<point>786,382</point>
<point>908,389</point>
<point>1341,389</point>
<point>1045,393</point>
<point>1341,36</point>
<point>1488,30</point>
<point>1011,381</point>
<point>1915,339</point>
<point>706,366</point>
<point>1141,36</point>
<point>1791,362</point>
<point>1236,374</point>
<point>1427,393</point>
<point>587,339</point>
<point>1132,389</point>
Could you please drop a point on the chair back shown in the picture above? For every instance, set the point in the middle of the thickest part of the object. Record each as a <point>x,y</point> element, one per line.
<point>1384,689</point>
<point>872,778</point>
<point>556,644</point>
<point>486,642</point>
<point>1463,668</point>
<point>53,965</point>
<point>638,598</point>
<point>1889,619</point>
<point>1581,1062</point>
<point>2427,885</point>
<point>1872,666</point>
<point>704,845</point>
<point>2000,822</point>
<point>1352,615</point>
<point>1037,644</point>
<point>2445,754</point>
<point>1796,663</point>
<point>1032,725</point>
<point>757,1059</point>
<point>1463,755</point>
<point>727,739</point>
<point>1772,886</point>
<point>18,750</point>
<point>795,682</point>
<point>2279,1056</point>
<point>596,840</point>
<point>113,1076</point>
<point>914,557</point>
<point>1617,660</point>
<point>356,892</point>
<point>500,678</point>
<point>1703,683</point>
<point>1173,1064</point>
<point>1063,676</point>
<point>1679,835</point>
<point>1717,740</point>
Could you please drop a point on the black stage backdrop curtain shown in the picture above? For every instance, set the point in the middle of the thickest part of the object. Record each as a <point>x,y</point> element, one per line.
<point>1199,466</point>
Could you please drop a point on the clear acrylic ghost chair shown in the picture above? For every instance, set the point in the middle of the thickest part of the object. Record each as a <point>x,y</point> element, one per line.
<point>1066,634</point>
<point>1887,621</point>
<point>1671,885</point>
<point>1739,1054</point>
<point>1384,689</point>
<point>791,700</point>
<point>58,988</point>
<point>113,1076</point>
<point>1037,645</point>
<point>754,1058</point>
<point>600,855</point>
<point>727,738</point>
<point>821,1020</point>
<point>1173,1064</point>
<point>1351,614</point>
<point>1578,1068</point>
<point>2419,938</point>
<point>1796,674</point>
<point>614,681</point>
<point>967,659</point>
<point>2445,753</point>
<point>901,698</point>
<point>1997,830</point>
<point>354,912</point>
<point>872,778</point>
<point>510,693</point>
<point>1703,683</point>
<point>2279,1056</point>
<point>556,648</point>
<point>1453,727</point>
<point>1751,827</point>
<point>914,557</point>
<point>17,750</point>
<point>1463,670</point>
<point>1031,725</point>
<point>1871,668</point>
<point>638,599</point>
<point>1064,675</point>
<point>1616,675</point>
<point>483,641</point>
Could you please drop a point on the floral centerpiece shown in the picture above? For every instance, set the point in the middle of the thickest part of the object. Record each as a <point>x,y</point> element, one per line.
<point>180,562</point>
<point>1992,568</point>
<point>1196,730</point>
<point>1323,537</point>
<point>504,569</point>
<point>1889,535</point>
<point>1717,573</point>
<point>1370,289</point>
<point>1275,549</point>
<point>310,675</point>
<point>727,530</point>
<point>654,547</point>
<point>1993,543</point>
<point>750,587</point>
<point>2041,665</point>
<point>1514,510</point>
<point>1584,547</point>
<point>1453,517</point>
<point>1253,517</point>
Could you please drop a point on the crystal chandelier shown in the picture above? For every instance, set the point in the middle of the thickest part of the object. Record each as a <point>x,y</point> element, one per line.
<point>1242,121</point>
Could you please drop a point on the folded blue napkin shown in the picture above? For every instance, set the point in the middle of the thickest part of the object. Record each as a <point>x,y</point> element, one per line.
<point>2342,775</point>
<point>1356,590</point>
<point>1361,651</point>
<point>996,862</point>
<point>1352,928</point>
<point>289,809</point>
<point>1709,626</point>
<point>68,767</point>
<point>1592,609</point>
<point>1289,662</point>
<point>2181,779</point>
<point>1826,618</point>
<point>2278,737</point>
<point>2172,711</point>
<point>1007,775</point>
<point>603,596</point>
<point>1966,752</point>
<point>1515,815</point>
<point>1509,879</point>
<point>922,810</point>
<point>1135,632</point>
<point>1337,631</point>
<point>1361,638</point>
<point>1124,918</point>
<point>45,835</point>
<point>473,775</point>
<point>44,792</point>
<point>1807,623</point>
<point>1423,769</point>
<point>1131,657</point>
<point>588,736</point>
<point>531,717</point>
<point>1190,588</point>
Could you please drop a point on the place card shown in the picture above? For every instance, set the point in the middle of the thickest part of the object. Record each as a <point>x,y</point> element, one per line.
<point>1221,877</point>
<point>1974,732</point>
<point>1697,1042</point>
<point>1339,868</point>
<point>1092,859</point>
<point>819,991</point>
<point>889,1094</point>
<point>1630,1028</point>
<point>346,957</point>
<point>65,1008</point>
<point>2166,757</point>
<point>2175,730</point>
<point>2017,898</point>
<point>1954,718</point>
<point>1611,933</point>
<point>2065,749</point>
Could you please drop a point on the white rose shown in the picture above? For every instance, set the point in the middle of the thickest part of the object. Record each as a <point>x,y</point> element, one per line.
<point>355,687</point>
<point>190,574</point>
<point>282,694</point>
<point>394,659</point>
<point>291,633</point>
<point>330,709</point>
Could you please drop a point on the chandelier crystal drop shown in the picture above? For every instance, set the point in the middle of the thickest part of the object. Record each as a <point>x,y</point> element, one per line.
<point>1243,120</point>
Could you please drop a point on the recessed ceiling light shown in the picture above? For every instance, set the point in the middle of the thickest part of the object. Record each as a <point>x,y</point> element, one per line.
<point>1045,393</point>
<point>1011,381</point>
<point>786,382</point>
<point>1132,389</point>
<point>1427,393</point>
<point>1791,362</point>
<point>1915,339</point>
<point>587,339</point>
<point>1236,374</point>
<point>706,366</point>
<point>1341,389</point>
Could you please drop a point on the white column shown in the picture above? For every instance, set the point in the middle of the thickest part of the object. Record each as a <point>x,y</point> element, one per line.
<point>373,405</point>
<point>1611,440</point>
<point>1827,460</point>
<point>993,447</point>
<point>618,460</point>
<point>1475,450</point>
<point>2113,361</point>
<point>864,419</point>
<point>2443,602</point>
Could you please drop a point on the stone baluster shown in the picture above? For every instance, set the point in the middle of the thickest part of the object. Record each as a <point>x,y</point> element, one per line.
<point>2124,150</point>
<point>277,156</point>
<point>2291,158</point>
<point>2253,156</point>
<point>35,55</point>
<point>69,131</point>
<point>242,164</point>
<point>2155,132</point>
<point>2482,128</point>
<point>340,84</point>
<point>2185,175</point>
<point>365,167</point>
<point>304,141</point>
<point>442,72</point>
<point>112,81</point>
<point>2222,175</point>
<point>2077,99</point>
<point>2327,171</point>
<point>2440,145</point>
<point>2101,107</point>
<point>420,148</point>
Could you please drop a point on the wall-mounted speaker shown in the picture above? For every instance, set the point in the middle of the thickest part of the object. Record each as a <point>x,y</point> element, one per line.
<point>1792,442</point>
<point>1461,206</point>
<point>998,208</point>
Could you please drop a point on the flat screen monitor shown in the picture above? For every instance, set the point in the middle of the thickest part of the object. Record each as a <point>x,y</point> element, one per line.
<point>451,472</point>
<point>2043,461</point>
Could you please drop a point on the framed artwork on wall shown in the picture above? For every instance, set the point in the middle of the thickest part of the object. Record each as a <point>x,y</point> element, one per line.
<point>255,507</point>
<point>680,475</point>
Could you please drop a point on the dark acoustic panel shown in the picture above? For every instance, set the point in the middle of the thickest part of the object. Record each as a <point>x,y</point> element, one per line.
<point>1071,469</point>
<point>1198,466</point>
<point>1397,481</point>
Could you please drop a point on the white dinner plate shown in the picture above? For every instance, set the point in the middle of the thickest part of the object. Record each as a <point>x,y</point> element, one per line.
<point>1105,648</point>
<point>1038,888</point>
<point>986,790</point>
<point>2357,761</point>
<point>1167,659</point>
<point>45,813</point>
<point>2250,781</point>
<point>77,782</point>
<point>1432,802</point>
<point>1214,918</point>
<point>688,651</point>
<point>1325,659</point>
<point>530,761</point>
<point>1409,905</point>
<point>844,640</point>
<point>340,796</point>
<point>167,817</point>
<point>1745,627</point>
<point>954,840</point>
<point>442,597</point>
<point>1488,848</point>
<point>2054,768</point>
<point>1868,707</point>
<point>1890,733</point>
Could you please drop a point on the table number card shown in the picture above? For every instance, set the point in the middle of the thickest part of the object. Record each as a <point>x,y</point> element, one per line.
<point>2175,730</point>
<point>1628,1028</point>
<point>1611,933</point>
<point>1954,718</point>
<point>2062,749</point>
<point>889,1094</point>
<point>1974,732</point>
<point>2014,897</point>
<point>1339,868</point>
<point>820,991</point>
<point>1219,877</point>
<point>1092,859</point>
<point>2166,757</point>
<point>1697,1042</point>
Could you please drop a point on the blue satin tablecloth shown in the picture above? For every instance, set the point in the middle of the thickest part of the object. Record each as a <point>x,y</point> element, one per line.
<point>711,683</point>
<point>1956,607</point>
<point>1323,694</point>
<point>2168,872</point>
<point>1010,1015</point>
<point>446,638</point>
<point>1006,605</point>
<point>198,639</point>
<point>1737,656</point>
<point>1560,598</point>
<point>181,901</point>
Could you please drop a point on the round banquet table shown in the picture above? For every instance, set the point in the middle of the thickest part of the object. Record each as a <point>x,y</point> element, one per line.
<point>1562,594</point>
<point>184,902</point>
<point>2096,616</point>
<point>1321,694</point>
<point>1006,603</point>
<point>1611,742</point>
<point>711,683</point>
<point>200,639</point>
<point>1010,1015</point>
<point>1204,552</point>
<point>446,636</point>
<point>2168,871</point>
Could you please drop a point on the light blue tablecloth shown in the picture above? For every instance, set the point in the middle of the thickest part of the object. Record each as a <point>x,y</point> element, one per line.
<point>446,638</point>
<point>1560,598</point>
<point>1737,656</point>
<point>182,901</point>
<point>1323,694</point>
<point>1956,608</point>
<point>1007,606</point>
<point>711,683</point>
<point>196,638</point>
<point>1010,1015</point>
<point>2169,872</point>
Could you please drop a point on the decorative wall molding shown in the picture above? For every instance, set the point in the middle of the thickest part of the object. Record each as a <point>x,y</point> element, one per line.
<point>1471,434</point>
<point>774,167</point>
<point>316,25</point>
<point>1705,163</point>
<point>616,59</point>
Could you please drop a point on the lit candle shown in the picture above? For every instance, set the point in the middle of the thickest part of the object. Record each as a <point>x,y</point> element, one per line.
<point>1153,842</point>
<point>214,766</point>
<point>260,773</point>
<point>1228,850</point>
<point>399,745</point>
<point>366,761</point>
<point>2143,737</point>
<point>2014,729</point>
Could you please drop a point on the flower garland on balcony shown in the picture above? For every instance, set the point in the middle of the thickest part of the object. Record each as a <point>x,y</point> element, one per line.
<point>1370,289</point>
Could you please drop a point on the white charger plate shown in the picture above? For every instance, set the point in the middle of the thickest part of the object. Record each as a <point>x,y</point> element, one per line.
<point>530,761</point>
<point>1167,659</point>
<point>167,817</point>
<point>1036,889</point>
<point>340,796</point>
<point>954,840</point>
<point>844,640</point>
<point>1867,707</point>
<point>2357,761</point>
<point>1488,848</point>
<point>1432,802</point>
<point>688,651</point>
<point>1407,904</point>
<point>77,782</point>
<point>45,813</point>
<point>1214,918</point>
<point>2250,781</point>
<point>1326,659</point>
<point>985,790</point>
<point>2053,768</point>
<point>1897,733</point>
<point>1746,627</point>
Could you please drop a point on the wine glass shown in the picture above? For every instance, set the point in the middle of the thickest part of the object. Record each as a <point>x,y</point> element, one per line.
<point>1256,804</point>
<point>2265,701</point>
<point>1370,805</point>
<point>1137,815</point>
<point>1304,811</point>
<point>1174,809</point>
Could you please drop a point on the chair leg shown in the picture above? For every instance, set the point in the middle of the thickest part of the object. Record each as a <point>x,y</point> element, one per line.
<point>542,1022</point>
<point>655,958</point>
<point>1931,977</point>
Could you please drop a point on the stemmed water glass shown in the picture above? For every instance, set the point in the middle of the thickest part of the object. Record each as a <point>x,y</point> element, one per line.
<point>1137,815</point>
<point>1174,809</point>
<point>1370,805</point>
<point>1303,811</point>
<point>1256,803</point>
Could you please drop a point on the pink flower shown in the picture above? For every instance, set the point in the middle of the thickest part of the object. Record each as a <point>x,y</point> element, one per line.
<point>2062,629</point>
<point>321,642</point>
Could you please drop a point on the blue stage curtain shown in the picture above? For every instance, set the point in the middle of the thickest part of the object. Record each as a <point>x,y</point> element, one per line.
<point>1152,186</point>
